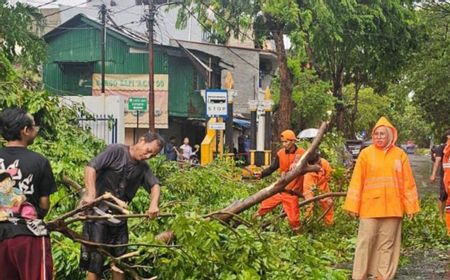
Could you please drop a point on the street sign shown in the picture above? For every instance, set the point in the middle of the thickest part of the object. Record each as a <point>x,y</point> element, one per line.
<point>253,104</point>
<point>217,126</point>
<point>139,113</point>
<point>216,102</point>
<point>268,104</point>
<point>137,104</point>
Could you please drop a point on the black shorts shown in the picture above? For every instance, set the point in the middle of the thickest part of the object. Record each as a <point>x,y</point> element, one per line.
<point>442,193</point>
<point>102,232</point>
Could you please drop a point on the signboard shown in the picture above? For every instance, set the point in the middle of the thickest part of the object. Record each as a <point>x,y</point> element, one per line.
<point>136,85</point>
<point>253,105</point>
<point>137,104</point>
<point>216,102</point>
<point>129,82</point>
<point>217,126</point>
<point>268,105</point>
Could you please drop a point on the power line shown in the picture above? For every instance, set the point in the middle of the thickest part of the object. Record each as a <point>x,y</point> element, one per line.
<point>228,47</point>
<point>50,2</point>
<point>131,23</point>
<point>63,10</point>
<point>124,10</point>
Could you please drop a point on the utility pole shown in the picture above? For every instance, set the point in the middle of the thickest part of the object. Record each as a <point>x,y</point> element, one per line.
<point>229,85</point>
<point>103,12</point>
<point>150,19</point>
<point>151,89</point>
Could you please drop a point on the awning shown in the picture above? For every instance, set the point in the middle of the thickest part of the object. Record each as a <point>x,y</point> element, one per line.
<point>201,67</point>
<point>242,123</point>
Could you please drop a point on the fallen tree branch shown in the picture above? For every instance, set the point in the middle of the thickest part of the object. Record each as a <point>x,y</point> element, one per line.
<point>71,183</point>
<point>85,206</point>
<point>235,216</point>
<point>225,224</point>
<point>95,244</point>
<point>325,212</point>
<point>123,265</point>
<point>321,196</point>
<point>128,255</point>
<point>123,210</point>
<point>106,217</point>
<point>311,200</point>
<point>300,168</point>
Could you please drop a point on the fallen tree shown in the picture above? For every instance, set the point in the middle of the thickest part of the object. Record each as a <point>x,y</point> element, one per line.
<point>300,168</point>
<point>224,216</point>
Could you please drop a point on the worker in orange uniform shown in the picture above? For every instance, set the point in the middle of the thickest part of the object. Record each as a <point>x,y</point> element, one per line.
<point>446,168</point>
<point>381,191</point>
<point>285,160</point>
<point>318,181</point>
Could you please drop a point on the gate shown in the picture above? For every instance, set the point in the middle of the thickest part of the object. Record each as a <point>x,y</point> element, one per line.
<point>101,126</point>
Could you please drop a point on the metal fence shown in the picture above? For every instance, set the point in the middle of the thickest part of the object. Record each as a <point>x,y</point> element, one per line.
<point>101,126</point>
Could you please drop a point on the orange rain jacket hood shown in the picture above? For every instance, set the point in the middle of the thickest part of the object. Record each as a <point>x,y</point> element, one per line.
<point>382,183</point>
<point>393,135</point>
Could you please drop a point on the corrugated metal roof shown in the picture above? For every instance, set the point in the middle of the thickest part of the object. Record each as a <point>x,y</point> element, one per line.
<point>133,37</point>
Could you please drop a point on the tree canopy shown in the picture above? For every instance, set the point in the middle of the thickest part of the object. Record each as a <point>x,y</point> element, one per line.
<point>427,75</point>
<point>17,40</point>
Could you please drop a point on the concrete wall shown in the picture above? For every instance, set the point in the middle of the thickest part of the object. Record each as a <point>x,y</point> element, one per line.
<point>103,105</point>
<point>243,65</point>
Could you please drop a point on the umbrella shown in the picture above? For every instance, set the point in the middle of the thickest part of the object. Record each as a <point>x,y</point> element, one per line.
<point>308,133</point>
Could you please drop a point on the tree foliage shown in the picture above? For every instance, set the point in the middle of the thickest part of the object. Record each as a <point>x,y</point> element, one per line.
<point>372,107</point>
<point>312,96</point>
<point>427,77</point>
<point>209,249</point>
<point>242,19</point>
<point>360,42</point>
<point>17,40</point>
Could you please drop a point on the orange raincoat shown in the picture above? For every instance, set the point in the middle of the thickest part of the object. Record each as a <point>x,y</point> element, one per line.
<point>382,183</point>
<point>319,180</point>
<point>446,167</point>
<point>288,200</point>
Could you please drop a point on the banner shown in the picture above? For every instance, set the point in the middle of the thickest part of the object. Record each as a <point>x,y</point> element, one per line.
<point>136,85</point>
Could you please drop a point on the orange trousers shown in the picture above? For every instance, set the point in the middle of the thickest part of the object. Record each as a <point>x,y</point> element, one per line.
<point>290,206</point>
<point>447,211</point>
<point>325,204</point>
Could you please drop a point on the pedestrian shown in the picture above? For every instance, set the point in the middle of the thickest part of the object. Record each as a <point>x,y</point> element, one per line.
<point>170,149</point>
<point>285,160</point>
<point>317,182</point>
<point>194,158</point>
<point>24,241</point>
<point>438,153</point>
<point>120,170</point>
<point>381,191</point>
<point>446,168</point>
<point>186,150</point>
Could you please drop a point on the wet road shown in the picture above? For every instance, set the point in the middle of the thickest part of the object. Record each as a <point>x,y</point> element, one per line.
<point>432,264</point>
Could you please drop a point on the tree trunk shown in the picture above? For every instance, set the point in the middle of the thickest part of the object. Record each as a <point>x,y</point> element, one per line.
<point>286,103</point>
<point>355,106</point>
<point>338,83</point>
<point>311,56</point>
<point>300,168</point>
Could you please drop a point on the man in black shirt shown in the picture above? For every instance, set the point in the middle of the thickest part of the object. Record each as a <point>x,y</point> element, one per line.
<point>120,170</point>
<point>24,242</point>
<point>170,150</point>
<point>437,165</point>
